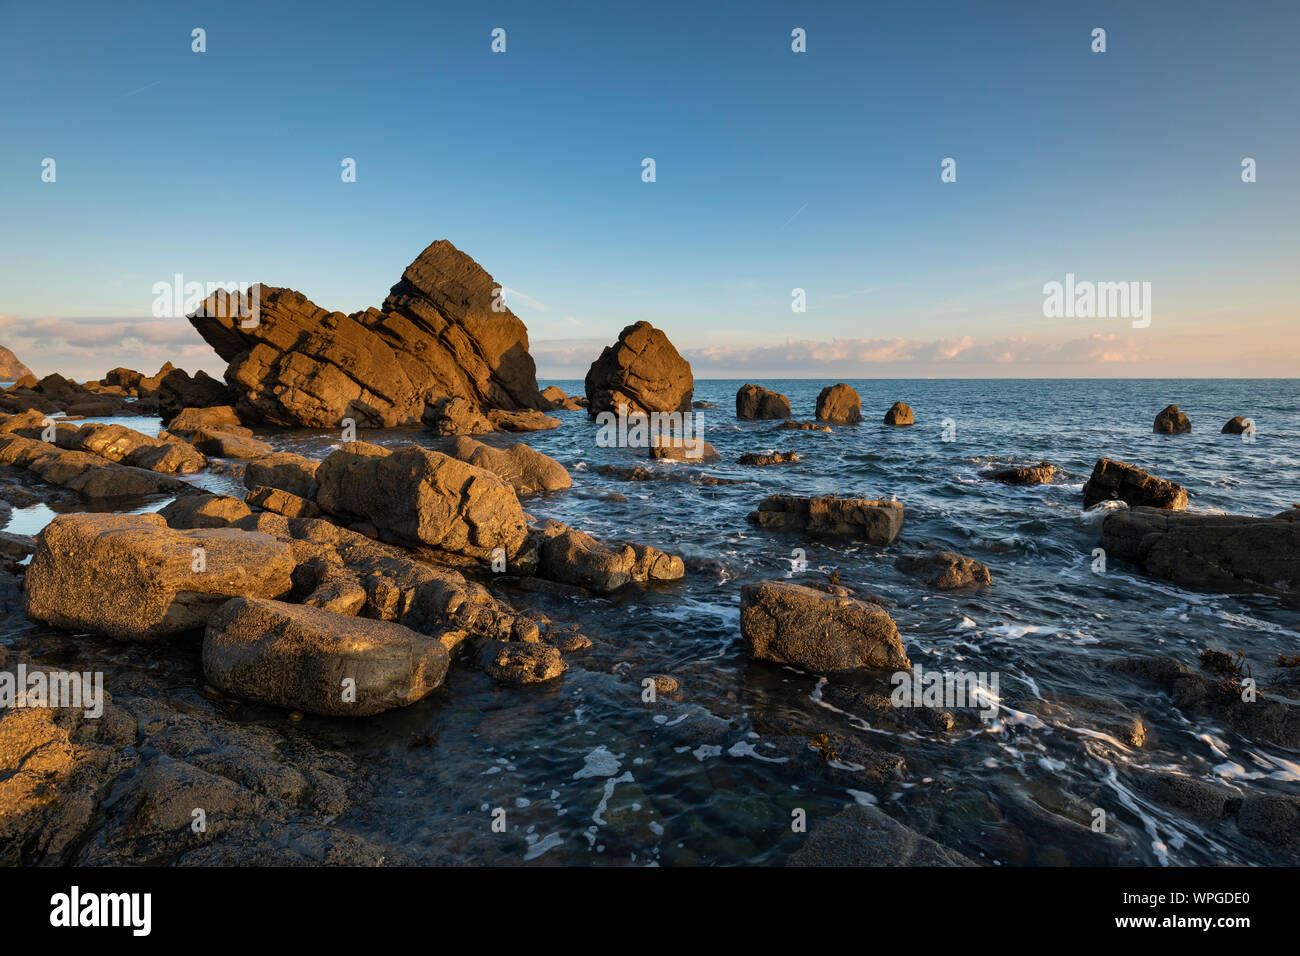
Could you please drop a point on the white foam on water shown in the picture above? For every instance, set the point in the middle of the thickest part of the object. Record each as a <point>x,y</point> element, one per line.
<point>610,784</point>
<point>862,798</point>
<point>743,748</point>
<point>599,763</point>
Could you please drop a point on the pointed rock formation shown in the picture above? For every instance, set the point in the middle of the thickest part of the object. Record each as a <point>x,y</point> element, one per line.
<point>438,335</point>
<point>11,369</point>
<point>642,371</point>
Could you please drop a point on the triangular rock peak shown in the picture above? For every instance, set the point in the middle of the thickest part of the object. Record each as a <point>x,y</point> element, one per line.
<point>437,336</point>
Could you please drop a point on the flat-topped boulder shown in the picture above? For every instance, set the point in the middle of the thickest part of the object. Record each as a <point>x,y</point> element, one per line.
<point>444,331</point>
<point>788,623</point>
<point>945,570</point>
<point>900,413</point>
<point>417,496</point>
<point>1171,421</point>
<point>1117,481</point>
<point>756,402</point>
<point>839,404</point>
<point>641,372</point>
<point>527,470</point>
<point>131,577</point>
<point>1231,553</point>
<point>875,521</point>
<point>285,470</point>
<point>204,511</point>
<point>313,660</point>
<point>1039,474</point>
<point>219,443</point>
<point>222,417</point>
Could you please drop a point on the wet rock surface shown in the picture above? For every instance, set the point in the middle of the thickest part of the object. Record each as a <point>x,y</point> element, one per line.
<point>1117,481</point>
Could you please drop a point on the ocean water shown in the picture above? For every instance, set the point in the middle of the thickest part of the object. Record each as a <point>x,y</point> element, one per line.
<point>589,773</point>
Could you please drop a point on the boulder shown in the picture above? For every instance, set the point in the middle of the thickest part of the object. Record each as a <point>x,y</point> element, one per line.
<point>900,413</point>
<point>121,444</point>
<point>516,664</point>
<point>312,660</point>
<point>1236,426</point>
<point>867,836</point>
<point>945,569</point>
<point>223,444</point>
<point>177,391</point>
<point>528,471</point>
<point>756,402</point>
<point>284,470</point>
<point>443,332</point>
<point>1231,553</point>
<point>1116,481</point>
<point>839,404</point>
<point>126,378</point>
<point>559,400</point>
<point>88,475</point>
<point>10,368</point>
<point>1039,474</point>
<point>674,447</point>
<point>574,557</point>
<point>204,511</point>
<point>220,417</point>
<point>131,577</point>
<point>503,420</point>
<point>772,458</point>
<point>641,372</point>
<point>455,416</point>
<point>417,496</point>
<point>282,502</point>
<point>1171,421</point>
<point>874,521</point>
<point>788,623</point>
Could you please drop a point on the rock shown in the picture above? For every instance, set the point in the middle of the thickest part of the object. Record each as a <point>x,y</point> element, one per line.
<point>1271,817</point>
<point>88,475</point>
<point>1235,426</point>
<point>282,502</point>
<point>555,395</point>
<point>517,664</point>
<point>945,570</point>
<point>839,404</point>
<point>502,420</point>
<point>900,413</point>
<point>573,557</point>
<point>10,368</point>
<point>1172,422</point>
<point>866,836</point>
<point>1116,481</point>
<point>1291,514</point>
<point>641,372</point>
<point>220,444</point>
<point>674,447</point>
<point>792,624</point>
<point>773,458</point>
<point>1198,799</point>
<point>125,378</point>
<point>874,521</point>
<point>204,511</point>
<point>455,416</point>
<point>802,427</point>
<point>1230,553</point>
<point>756,402</point>
<point>121,444</point>
<point>308,659</point>
<point>665,686</point>
<point>422,497</point>
<point>131,577</point>
<point>529,471</point>
<point>218,417</point>
<point>177,391</point>
<point>284,470</point>
<point>443,332</point>
<point>14,549</point>
<point>1039,474</point>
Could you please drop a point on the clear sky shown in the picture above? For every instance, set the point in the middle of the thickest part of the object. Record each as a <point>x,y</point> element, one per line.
<point>775,170</point>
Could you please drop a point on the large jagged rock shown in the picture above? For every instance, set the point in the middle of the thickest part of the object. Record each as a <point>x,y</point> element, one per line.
<point>178,390</point>
<point>900,413</point>
<point>874,521</point>
<point>284,470</point>
<point>1232,553</point>
<point>131,577</point>
<point>528,470</point>
<point>792,624</point>
<point>756,402</point>
<point>313,660</point>
<point>418,496</point>
<point>641,372</point>
<point>436,336</point>
<point>1117,481</point>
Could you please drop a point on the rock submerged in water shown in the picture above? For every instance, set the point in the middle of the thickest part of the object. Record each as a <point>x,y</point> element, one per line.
<point>874,521</point>
<point>900,413</point>
<point>1039,474</point>
<point>756,402</point>
<point>437,335</point>
<point>1171,421</point>
<point>1236,426</point>
<point>771,458</point>
<point>945,570</point>
<point>641,372</point>
<point>1231,553</point>
<point>866,836</point>
<point>839,404</point>
<point>1116,481</point>
<point>802,427</point>
<point>788,623</point>
<point>133,578</point>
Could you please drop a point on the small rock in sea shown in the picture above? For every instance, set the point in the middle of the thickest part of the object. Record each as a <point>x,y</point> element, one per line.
<point>945,570</point>
<point>1171,421</point>
<point>874,521</point>
<point>756,402</point>
<point>517,664</point>
<point>1116,481</point>
<point>665,686</point>
<point>900,413</point>
<point>1236,426</point>
<point>802,427</point>
<point>1039,474</point>
<point>839,404</point>
<point>773,458</point>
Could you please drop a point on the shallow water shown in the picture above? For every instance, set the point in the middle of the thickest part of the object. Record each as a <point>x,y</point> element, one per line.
<point>587,772</point>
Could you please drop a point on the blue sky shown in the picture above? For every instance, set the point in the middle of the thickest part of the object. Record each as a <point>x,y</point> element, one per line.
<point>775,170</point>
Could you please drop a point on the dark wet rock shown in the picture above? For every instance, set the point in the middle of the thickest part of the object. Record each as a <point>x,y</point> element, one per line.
<point>1039,474</point>
<point>839,404</point>
<point>874,521</point>
<point>641,372</point>
<point>900,413</point>
<point>866,836</point>
<point>1232,553</point>
<point>792,624</point>
<point>802,427</point>
<point>528,420</point>
<point>131,577</point>
<point>527,470</point>
<point>772,458</point>
<point>945,569</point>
<point>1292,514</point>
<point>756,402</point>
<point>14,549</point>
<point>178,390</point>
<point>678,448</point>
<point>1116,481</point>
<point>1236,426</point>
<point>282,502</point>
<point>419,496</point>
<point>574,557</point>
<point>309,659</point>
<point>444,331</point>
<point>203,511</point>
<point>88,475</point>
<point>1271,817</point>
<point>1100,714</point>
<point>518,664</point>
<point>641,473</point>
<point>664,685</point>
<point>1198,799</point>
<point>1171,421</point>
<point>284,470</point>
